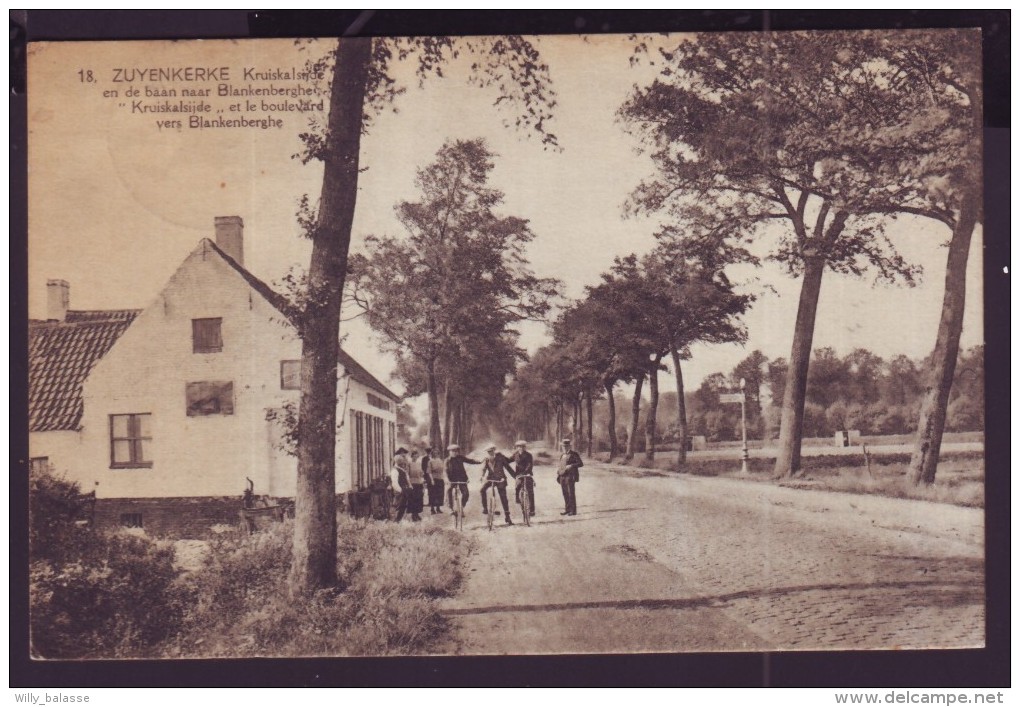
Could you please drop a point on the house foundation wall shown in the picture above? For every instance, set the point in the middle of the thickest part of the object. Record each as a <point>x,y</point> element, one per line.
<point>168,517</point>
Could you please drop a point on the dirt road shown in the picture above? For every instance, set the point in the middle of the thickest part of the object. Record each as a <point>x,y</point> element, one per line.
<point>668,563</point>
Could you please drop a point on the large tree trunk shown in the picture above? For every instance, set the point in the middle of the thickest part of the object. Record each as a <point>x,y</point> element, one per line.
<point>653,407</point>
<point>681,408</point>
<point>591,424</point>
<point>575,423</point>
<point>447,416</point>
<point>468,424</point>
<point>612,421</point>
<point>635,415</point>
<point>314,562</point>
<point>791,423</point>
<point>435,431</point>
<point>455,432</point>
<point>932,421</point>
<point>559,425</point>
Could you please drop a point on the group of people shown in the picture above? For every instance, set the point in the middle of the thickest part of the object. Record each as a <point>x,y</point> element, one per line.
<point>434,473</point>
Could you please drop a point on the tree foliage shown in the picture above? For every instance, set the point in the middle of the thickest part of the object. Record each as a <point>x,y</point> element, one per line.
<point>446,295</point>
<point>815,139</point>
<point>857,391</point>
<point>363,82</point>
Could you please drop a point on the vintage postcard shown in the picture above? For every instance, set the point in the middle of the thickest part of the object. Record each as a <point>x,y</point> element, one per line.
<point>506,345</point>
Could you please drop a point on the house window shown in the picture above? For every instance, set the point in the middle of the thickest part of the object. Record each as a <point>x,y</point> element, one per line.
<point>357,456</point>
<point>368,449</point>
<point>290,375</point>
<point>393,444</point>
<point>378,450</point>
<point>38,465</point>
<point>130,437</point>
<point>369,443</point>
<point>206,336</point>
<point>210,398</point>
<point>131,520</point>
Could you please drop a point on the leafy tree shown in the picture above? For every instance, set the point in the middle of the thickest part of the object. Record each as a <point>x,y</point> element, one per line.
<point>661,305</point>
<point>361,84</point>
<point>901,382</point>
<point>941,179</point>
<point>638,311</point>
<point>756,129</point>
<point>535,400</point>
<point>701,306</point>
<point>446,295</point>
<point>829,378</point>
<point>595,336</point>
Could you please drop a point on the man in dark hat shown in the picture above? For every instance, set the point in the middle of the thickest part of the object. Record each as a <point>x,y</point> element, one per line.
<point>568,475</point>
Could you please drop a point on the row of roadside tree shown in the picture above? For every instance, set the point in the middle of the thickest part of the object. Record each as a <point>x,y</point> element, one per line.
<point>812,143</point>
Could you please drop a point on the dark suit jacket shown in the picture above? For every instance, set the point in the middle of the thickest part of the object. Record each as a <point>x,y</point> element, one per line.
<point>455,470</point>
<point>496,468</point>
<point>570,467</point>
<point>525,463</point>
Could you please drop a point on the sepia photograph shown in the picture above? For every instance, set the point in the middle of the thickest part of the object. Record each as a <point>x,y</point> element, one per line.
<point>506,345</point>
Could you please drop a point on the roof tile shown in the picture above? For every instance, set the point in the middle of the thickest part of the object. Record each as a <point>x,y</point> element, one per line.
<point>60,357</point>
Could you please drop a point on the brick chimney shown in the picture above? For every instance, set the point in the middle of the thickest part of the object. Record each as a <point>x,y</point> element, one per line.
<point>58,294</point>
<point>230,236</point>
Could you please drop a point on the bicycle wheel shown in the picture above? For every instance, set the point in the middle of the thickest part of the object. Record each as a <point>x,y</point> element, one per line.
<point>458,509</point>
<point>492,506</point>
<point>525,503</point>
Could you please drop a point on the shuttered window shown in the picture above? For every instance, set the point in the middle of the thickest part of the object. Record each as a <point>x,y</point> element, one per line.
<point>206,336</point>
<point>210,398</point>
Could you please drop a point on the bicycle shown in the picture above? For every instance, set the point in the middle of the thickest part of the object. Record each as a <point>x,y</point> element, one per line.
<point>524,497</point>
<point>458,504</point>
<point>491,493</point>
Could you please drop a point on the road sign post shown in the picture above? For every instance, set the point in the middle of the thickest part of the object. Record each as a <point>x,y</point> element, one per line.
<point>743,426</point>
<point>741,398</point>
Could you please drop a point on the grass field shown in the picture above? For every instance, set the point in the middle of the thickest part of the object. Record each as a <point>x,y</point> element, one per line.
<point>960,479</point>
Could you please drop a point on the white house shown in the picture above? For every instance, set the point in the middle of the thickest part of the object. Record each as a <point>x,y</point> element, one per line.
<point>168,411</point>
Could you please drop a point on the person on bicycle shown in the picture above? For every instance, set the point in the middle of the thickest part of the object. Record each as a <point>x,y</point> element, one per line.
<point>456,474</point>
<point>524,468</point>
<point>494,474</point>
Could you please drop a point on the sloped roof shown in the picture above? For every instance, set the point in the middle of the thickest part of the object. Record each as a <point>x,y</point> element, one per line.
<point>358,373</point>
<point>60,357</point>
<point>353,368</point>
<point>62,354</point>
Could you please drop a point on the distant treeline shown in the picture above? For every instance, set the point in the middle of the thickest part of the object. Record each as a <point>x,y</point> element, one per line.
<point>859,391</point>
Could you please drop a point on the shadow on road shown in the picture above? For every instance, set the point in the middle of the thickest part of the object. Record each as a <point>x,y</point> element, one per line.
<point>942,593</point>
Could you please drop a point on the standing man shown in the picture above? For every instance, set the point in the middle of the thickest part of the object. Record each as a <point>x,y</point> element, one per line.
<point>494,474</point>
<point>416,501</point>
<point>568,475</point>
<point>524,468</point>
<point>456,474</point>
<point>402,466</point>
<point>437,468</point>
<point>433,479</point>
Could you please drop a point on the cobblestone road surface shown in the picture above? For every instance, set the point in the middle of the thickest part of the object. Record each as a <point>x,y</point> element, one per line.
<point>667,563</point>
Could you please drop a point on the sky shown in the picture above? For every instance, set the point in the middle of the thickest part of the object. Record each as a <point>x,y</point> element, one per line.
<point>116,203</point>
